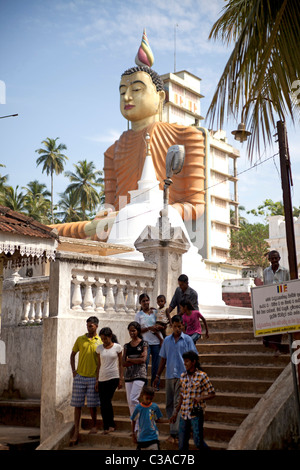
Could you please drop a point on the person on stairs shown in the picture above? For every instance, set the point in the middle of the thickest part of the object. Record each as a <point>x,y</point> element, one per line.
<point>85,376</point>
<point>110,375</point>
<point>275,274</point>
<point>171,352</point>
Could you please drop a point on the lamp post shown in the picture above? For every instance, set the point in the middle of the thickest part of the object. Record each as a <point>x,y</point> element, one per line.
<point>286,182</point>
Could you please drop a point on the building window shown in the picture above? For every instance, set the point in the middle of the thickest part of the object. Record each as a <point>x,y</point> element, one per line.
<point>220,228</point>
<point>220,203</point>
<point>178,112</point>
<point>229,270</point>
<point>219,154</point>
<point>221,253</point>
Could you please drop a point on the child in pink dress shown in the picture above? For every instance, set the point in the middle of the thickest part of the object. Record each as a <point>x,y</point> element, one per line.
<point>191,320</point>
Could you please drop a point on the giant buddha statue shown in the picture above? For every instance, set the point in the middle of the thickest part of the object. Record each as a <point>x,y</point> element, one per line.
<point>141,102</point>
<point>142,97</point>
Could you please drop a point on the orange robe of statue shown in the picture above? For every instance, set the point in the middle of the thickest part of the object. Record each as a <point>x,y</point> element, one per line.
<point>124,161</point>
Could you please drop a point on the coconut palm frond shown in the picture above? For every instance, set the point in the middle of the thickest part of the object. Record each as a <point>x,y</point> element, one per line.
<point>256,83</point>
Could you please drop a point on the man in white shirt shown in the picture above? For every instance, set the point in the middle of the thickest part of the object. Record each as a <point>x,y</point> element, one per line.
<point>275,274</point>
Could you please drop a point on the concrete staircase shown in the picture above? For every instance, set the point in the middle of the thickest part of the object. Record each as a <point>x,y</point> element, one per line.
<point>241,370</point>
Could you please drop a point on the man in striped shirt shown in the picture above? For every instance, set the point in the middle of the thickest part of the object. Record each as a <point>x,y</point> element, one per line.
<point>195,389</point>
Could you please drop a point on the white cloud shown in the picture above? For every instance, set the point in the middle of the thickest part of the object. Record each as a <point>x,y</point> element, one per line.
<point>109,137</point>
<point>120,24</point>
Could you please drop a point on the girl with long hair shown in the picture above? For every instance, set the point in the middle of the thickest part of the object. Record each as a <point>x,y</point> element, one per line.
<point>134,362</point>
<point>110,375</point>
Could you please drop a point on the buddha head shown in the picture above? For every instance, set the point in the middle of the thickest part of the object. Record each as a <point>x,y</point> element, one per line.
<point>142,90</point>
<point>141,96</point>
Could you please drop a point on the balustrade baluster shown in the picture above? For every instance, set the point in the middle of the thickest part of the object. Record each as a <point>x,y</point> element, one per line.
<point>138,292</point>
<point>31,315</point>
<point>46,308</point>
<point>76,297</point>
<point>26,310</point>
<point>109,299</point>
<point>130,303</point>
<point>99,297</point>
<point>88,300</point>
<point>120,300</point>
<point>38,311</point>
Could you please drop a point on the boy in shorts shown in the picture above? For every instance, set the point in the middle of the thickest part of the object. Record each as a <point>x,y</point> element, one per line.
<point>85,376</point>
<point>148,414</point>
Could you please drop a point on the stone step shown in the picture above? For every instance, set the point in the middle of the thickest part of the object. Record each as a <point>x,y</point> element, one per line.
<point>215,412</point>
<point>223,414</point>
<point>20,412</point>
<point>226,398</point>
<point>237,346</point>
<point>123,441</point>
<point>222,384</point>
<point>219,432</point>
<point>228,336</point>
<point>244,401</point>
<point>242,371</point>
<point>240,358</point>
<point>234,324</point>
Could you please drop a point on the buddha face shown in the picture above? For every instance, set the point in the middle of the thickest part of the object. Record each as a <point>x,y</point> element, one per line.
<point>139,100</point>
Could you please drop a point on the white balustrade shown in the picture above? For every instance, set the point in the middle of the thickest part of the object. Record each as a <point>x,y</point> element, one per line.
<point>108,289</point>
<point>107,295</point>
<point>35,302</point>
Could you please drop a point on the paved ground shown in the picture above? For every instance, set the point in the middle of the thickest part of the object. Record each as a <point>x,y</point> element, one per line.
<point>18,438</point>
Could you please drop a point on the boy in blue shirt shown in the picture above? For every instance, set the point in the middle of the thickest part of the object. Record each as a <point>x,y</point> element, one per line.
<point>148,414</point>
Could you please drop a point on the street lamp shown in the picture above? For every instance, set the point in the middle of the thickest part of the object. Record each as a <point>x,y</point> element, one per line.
<point>241,135</point>
<point>286,181</point>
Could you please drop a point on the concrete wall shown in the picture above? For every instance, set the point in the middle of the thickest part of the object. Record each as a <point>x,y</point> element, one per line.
<point>23,344</point>
<point>23,360</point>
<point>272,424</point>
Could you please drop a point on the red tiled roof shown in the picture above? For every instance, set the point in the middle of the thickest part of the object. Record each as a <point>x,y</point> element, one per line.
<point>20,224</point>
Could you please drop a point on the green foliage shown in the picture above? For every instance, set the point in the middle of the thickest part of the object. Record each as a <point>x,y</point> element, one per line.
<point>13,199</point>
<point>52,160</point>
<point>79,201</point>
<point>70,210</point>
<point>248,244</point>
<point>84,184</point>
<point>269,208</point>
<point>265,61</point>
<point>51,157</point>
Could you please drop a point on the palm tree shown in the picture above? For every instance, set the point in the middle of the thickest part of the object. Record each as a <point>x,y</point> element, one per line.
<point>263,66</point>
<point>37,203</point>
<point>70,207</point>
<point>53,161</point>
<point>37,189</point>
<point>84,182</point>
<point>13,199</point>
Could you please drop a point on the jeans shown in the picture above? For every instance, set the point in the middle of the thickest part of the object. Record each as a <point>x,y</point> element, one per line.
<point>172,399</point>
<point>106,392</point>
<point>153,349</point>
<point>194,424</point>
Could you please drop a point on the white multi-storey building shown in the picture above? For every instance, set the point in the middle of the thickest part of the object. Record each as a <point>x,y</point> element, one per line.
<point>212,238</point>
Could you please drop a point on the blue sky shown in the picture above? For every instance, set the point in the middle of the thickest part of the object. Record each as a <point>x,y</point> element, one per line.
<point>61,63</point>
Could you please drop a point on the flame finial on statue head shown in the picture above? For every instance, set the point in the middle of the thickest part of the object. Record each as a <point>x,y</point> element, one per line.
<point>144,55</point>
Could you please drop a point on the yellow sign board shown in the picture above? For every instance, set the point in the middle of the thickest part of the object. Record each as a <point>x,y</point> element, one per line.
<point>276,308</point>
